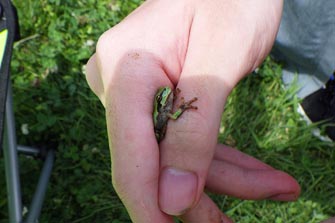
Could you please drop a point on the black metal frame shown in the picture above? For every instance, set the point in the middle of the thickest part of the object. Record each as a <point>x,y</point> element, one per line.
<point>11,150</point>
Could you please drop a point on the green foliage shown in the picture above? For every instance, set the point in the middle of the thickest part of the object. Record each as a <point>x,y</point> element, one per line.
<point>300,211</point>
<point>262,112</point>
<point>54,107</point>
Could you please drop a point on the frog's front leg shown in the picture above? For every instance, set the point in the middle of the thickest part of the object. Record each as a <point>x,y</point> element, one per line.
<point>184,105</point>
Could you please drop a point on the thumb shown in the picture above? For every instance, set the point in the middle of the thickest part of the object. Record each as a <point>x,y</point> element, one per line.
<point>216,59</point>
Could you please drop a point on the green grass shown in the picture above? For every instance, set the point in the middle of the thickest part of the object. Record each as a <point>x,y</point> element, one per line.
<point>261,120</point>
<point>54,101</point>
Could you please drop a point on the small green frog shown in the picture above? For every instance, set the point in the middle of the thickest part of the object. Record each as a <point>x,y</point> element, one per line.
<point>163,104</point>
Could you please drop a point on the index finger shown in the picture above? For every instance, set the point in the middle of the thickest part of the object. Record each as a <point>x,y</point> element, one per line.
<point>128,98</point>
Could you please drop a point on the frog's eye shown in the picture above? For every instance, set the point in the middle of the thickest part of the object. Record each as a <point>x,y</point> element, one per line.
<point>158,97</point>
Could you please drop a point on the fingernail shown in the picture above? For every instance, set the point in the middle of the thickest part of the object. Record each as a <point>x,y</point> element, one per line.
<point>177,190</point>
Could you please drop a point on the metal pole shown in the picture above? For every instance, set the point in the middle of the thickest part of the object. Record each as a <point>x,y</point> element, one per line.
<point>12,164</point>
<point>36,204</point>
<point>27,150</point>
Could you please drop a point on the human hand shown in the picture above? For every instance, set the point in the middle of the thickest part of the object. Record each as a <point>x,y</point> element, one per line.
<point>204,48</point>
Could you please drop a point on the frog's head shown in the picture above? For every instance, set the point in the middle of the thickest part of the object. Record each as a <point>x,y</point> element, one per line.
<point>162,96</point>
<point>162,100</point>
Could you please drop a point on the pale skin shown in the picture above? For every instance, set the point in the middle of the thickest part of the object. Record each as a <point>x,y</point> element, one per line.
<point>203,47</point>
